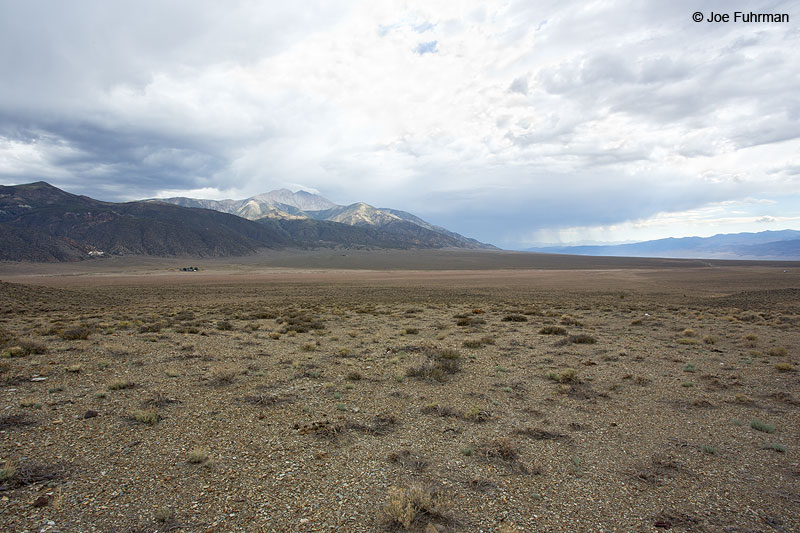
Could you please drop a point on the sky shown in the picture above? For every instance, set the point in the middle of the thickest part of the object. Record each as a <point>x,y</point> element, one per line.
<point>518,123</point>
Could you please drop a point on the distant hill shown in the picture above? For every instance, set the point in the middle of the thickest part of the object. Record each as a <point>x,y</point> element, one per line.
<point>780,245</point>
<point>39,222</point>
<point>284,204</point>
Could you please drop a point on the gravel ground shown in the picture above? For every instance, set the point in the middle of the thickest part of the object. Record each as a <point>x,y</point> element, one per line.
<point>284,405</point>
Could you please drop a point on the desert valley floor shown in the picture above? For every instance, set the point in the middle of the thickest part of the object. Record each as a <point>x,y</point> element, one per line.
<point>455,393</point>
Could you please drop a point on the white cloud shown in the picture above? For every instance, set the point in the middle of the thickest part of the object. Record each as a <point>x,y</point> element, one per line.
<point>534,119</point>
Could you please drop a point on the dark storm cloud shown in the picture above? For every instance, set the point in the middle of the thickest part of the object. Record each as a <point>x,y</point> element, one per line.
<point>70,62</point>
<point>135,160</point>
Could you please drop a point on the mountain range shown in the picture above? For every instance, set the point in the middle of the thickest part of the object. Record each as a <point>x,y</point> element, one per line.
<point>284,204</point>
<point>39,222</point>
<point>780,245</point>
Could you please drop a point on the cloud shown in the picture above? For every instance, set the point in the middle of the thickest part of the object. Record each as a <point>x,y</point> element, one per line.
<point>531,119</point>
<point>519,85</point>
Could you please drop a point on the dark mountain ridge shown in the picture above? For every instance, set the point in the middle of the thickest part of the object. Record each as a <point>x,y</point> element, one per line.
<point>39,222</point>
<point>284,204</point>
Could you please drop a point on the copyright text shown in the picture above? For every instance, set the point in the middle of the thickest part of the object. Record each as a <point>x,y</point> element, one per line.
<point>740,16</point>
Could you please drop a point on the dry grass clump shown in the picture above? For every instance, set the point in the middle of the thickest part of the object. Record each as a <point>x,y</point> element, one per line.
<point>262,315</point>
<point>221,376</point>
<point>21,348</point>
<point>476,414</point>
<point>570,375</point>
<point>21,475</point>
<point>567,320</point>
<point>5,337</point>
<point>76,333</point>
<point>539,434</point>
<point>552,330</point>
<point>465,321</point>
<point>743,399</point>
<point>381,424</point>
<point>577,339</point>
<point>159,399</point>
<point>478,343</point>
<point>750,340</point>
<point>149,417</point>
<point>164,515</point>
<point>121,384</point>
<point>500,448</point>
<point>299,322</point>
<point>408,459</point>
<point>224,325</point>
<point>198,456</point>
<point>322,428</point>
<point>514,318</point>
<point>439,410</point>
<point>503,451</point>
<point>777,351</point>
<point>265,400</point>
<point>407,506</point>
<point>155,327</point>
<point>439,363</point>
<point>784,367</point>
<point>7,472</point>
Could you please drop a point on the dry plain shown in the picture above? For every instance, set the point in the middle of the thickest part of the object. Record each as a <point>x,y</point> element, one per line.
<point>392,391</point>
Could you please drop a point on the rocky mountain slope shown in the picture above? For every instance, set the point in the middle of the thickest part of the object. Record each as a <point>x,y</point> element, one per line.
<point>39,222</point>
<point>287,205</point>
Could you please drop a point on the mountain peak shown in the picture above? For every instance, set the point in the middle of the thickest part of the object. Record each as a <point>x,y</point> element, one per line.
<point>43,223</point>
<point>303,200</point>
<point>38,185</point>
<point>287,205</point>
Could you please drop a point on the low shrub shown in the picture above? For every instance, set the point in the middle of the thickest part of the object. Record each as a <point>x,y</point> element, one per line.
<point>552,330</point>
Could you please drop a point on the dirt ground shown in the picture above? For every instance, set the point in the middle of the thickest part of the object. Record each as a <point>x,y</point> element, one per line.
<point>264,395</point>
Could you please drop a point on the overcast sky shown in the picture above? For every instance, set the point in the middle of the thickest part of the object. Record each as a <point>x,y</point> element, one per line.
<point>514,122</point>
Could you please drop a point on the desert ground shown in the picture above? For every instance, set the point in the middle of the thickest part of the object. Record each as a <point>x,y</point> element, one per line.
<point>374,391</point>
